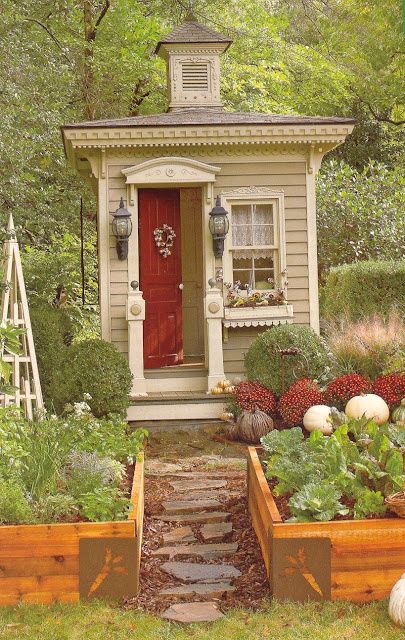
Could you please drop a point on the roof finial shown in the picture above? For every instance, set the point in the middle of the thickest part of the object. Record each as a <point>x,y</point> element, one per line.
<point>190,17</point>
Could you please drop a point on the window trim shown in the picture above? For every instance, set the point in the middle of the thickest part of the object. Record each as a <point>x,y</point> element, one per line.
<point>257,195</point>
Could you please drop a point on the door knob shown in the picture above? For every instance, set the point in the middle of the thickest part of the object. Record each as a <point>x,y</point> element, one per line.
<point>181,286</point>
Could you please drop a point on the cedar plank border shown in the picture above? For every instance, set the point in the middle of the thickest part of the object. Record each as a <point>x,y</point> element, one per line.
<point>40,563</point>
<point>367,558</point>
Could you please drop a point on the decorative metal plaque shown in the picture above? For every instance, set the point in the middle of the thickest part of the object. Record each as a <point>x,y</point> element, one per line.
<point>107,568</point>
<point>301,568</point>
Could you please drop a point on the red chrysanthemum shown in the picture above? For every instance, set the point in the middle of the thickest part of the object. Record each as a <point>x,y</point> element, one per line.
<point>342,389</point>
<point>390,387</point>
<point>250,395</point>
<point>294,403</point>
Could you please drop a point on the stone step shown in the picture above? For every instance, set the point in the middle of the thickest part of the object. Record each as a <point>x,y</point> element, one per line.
<point>215,530</point>
<point>181,534</point>
<point>196,495</point>
<point>209,589</point>
<point>189,506</point>
<point>206,551</point>
<point>195,572</point>
<point>191,485</point>
<point>193,612</point>
<point>209,516</point>
<point>196,475</point>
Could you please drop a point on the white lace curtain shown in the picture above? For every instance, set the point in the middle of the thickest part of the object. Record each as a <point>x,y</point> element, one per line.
<point>252,226</point>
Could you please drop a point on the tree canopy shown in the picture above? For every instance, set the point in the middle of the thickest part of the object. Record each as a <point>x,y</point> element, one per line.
<point>71,60</point>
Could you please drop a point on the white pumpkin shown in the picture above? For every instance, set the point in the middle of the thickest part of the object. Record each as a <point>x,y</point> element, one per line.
<point>369,405</point>
<point>317,418</point>
<point>396,605</point>
<point>223,384</point>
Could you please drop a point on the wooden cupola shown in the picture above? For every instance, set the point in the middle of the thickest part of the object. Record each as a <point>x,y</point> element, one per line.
<point>193,69</point>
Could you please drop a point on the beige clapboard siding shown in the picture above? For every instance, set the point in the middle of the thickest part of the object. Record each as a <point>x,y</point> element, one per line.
<point>285,175</point>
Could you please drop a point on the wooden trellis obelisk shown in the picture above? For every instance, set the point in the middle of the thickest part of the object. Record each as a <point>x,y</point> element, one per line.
<point>14,310</point>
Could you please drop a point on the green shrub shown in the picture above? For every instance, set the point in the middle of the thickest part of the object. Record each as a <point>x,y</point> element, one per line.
<point>363,289</point>
<point>97,368</point>
<point>266,365</point>
<point>52,329</point>
<point>14,506</point>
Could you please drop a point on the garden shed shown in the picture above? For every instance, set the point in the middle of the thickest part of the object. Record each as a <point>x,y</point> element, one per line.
<point>169,255</point>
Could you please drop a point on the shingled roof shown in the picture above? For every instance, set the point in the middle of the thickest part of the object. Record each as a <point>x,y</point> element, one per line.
<point>201,117</point>
<point>193,32</point>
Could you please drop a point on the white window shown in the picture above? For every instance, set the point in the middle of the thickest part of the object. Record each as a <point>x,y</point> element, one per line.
<point>255,244</point>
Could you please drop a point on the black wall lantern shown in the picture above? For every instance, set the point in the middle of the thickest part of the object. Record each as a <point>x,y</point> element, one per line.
<point>219,227</point>
<point>122,229</point>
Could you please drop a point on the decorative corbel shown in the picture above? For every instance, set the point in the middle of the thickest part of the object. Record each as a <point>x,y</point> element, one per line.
<point>310,159</point>
<point>103,164</point>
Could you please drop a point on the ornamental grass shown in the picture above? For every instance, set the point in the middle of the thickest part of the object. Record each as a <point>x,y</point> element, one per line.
<point>369,347</point>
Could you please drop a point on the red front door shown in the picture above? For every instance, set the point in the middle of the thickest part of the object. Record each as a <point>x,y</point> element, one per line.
<point>160,277</point>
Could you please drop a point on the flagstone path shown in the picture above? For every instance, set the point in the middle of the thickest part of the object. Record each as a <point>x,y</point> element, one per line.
<point>200,555</point>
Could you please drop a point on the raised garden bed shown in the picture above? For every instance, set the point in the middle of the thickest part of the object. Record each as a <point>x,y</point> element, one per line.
<point>358,560</point>
<point>66,562</point>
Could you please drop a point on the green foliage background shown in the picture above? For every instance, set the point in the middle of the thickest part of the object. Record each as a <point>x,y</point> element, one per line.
<point>65,61</point>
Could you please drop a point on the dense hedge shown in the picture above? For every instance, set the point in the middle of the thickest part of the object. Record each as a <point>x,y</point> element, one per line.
<point>52,329</point>
<point>96,368</point>
<point>363,289</point>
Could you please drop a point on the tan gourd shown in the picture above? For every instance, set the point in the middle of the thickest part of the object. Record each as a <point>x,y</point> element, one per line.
<point>369,405</point>
<point>250,426</point>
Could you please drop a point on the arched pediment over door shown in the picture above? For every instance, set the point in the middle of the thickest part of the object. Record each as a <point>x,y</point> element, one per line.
<point>171,171</point>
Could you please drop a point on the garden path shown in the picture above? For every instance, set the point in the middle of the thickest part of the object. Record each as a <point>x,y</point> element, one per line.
<point>200,554</point>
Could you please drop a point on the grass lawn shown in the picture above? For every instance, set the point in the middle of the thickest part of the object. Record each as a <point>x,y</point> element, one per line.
<point>97,621</point>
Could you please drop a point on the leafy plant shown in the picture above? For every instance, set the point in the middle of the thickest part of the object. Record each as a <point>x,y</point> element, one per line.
<point>47,467</point>
<point>360,461</point>
<point>54,508</point>
<point>104,503</point>
<point>283,354</point>
<point>14,505</point>
<point>369,503</point>
<point>316,501</point>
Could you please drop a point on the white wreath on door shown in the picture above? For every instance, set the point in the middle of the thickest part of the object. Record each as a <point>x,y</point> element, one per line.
<point>164,239</point>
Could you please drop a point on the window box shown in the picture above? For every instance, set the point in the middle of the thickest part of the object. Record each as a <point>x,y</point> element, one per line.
<point>258,316</point>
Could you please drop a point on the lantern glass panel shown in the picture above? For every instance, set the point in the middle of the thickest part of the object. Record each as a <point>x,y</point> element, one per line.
<point>122,228</point>
<point>219,225</point>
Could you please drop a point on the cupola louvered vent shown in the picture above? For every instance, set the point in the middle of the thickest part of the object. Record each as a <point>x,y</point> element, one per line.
<point>194,76</point>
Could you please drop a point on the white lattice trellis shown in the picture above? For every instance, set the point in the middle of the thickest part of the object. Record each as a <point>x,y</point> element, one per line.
<point>14,310</point>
